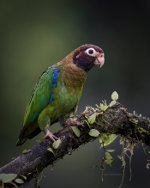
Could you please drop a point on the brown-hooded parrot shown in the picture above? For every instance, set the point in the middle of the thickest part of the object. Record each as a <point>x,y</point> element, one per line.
<point>58,91</point>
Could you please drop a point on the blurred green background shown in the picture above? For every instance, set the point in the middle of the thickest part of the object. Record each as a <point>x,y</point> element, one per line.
<point>37,34</point>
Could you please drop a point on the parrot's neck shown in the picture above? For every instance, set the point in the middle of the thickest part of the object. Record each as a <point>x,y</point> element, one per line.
<point>72,76</point>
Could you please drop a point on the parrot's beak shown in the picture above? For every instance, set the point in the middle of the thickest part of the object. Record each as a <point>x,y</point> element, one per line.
<point>100,59</point>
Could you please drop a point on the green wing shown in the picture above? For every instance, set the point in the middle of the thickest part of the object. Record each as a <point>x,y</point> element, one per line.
<point>42,95</point>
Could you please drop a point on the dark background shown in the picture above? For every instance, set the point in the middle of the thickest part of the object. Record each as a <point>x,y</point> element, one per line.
<point>37,34</point>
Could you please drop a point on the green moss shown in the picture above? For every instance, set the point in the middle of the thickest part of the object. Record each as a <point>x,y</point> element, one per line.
<point>133,120</point>
<point>141,131</point>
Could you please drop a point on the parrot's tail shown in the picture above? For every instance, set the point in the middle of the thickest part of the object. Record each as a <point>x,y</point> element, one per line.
<point>22,137</point>
<point>28,132</point>
<point>20,142</point>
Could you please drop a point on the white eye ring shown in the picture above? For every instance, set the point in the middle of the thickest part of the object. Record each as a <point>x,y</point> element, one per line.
<point>91,52</point>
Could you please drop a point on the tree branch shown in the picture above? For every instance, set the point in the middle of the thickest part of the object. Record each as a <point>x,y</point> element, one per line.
<point>115,119</point>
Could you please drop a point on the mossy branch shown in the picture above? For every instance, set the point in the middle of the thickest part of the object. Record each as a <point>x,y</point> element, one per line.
<point>111,119</point>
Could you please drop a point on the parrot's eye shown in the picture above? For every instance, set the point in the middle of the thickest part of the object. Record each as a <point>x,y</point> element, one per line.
<point>91,52</point>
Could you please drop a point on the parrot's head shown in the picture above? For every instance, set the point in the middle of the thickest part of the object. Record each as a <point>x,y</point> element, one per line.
<point>87,56</point>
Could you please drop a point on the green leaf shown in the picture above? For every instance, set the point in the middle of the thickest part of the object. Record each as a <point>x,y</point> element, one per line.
<point>92,118</point>
<point>5,178</point>
<point>103,107</point>
<point>114,96</point>
<point>19,181</point>
<point>94,133</point>
<point>108,158</point>
<point>50,150</point>
<point>56,144</point>
<point>24,177</point>
<point>25,151</point>
<point>112,103</point>
<point>106,139</point>
<point>76,131</point>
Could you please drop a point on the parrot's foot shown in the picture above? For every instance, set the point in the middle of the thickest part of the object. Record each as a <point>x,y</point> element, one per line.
<point>50,135</point>
<point>73,122</point>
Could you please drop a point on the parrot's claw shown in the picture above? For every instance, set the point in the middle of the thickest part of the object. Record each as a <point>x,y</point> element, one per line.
<point>51,136</point>
<point>73,122</point>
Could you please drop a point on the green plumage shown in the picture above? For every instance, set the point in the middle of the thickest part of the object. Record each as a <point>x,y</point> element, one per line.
<point>51,102</point>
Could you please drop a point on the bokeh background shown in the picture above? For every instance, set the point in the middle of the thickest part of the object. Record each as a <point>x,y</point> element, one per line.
<point>37,34</point>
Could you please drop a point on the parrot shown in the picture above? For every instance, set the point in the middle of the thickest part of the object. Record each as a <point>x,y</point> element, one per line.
<point>58,91</point>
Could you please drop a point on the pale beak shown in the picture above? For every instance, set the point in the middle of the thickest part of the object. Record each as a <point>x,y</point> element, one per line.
<point>100,59</point>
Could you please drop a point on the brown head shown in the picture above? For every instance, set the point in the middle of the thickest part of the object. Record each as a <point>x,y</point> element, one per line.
<point>87,56</point>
